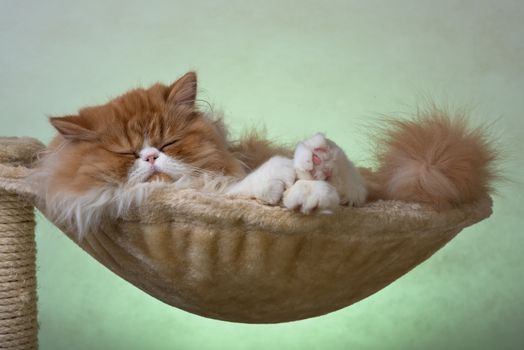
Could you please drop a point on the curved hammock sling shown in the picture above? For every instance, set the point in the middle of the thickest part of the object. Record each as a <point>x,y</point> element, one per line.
<point>228,259</point>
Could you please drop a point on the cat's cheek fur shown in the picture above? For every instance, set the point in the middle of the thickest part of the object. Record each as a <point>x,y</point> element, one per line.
<point>172,167</point>
<point>165,169</point>
<point>139,172</point>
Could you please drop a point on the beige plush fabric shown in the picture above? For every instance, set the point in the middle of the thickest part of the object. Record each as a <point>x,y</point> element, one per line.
<point>239,260</point>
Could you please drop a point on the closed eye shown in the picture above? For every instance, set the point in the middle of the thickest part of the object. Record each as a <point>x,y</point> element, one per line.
<point>125,153</point>
<point>168,144</point>
<point>130,154</point>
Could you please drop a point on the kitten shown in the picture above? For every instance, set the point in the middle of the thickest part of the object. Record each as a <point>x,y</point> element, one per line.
<point>109,157</point>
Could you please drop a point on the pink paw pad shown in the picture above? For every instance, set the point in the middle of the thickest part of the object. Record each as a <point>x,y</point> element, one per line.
<point>320,155</point>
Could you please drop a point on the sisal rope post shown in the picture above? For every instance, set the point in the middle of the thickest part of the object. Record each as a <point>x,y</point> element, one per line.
<point>18,316</point>
<point>18,297</point>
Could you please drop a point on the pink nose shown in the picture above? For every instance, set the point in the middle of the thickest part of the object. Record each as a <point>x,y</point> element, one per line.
<point>150,158</point>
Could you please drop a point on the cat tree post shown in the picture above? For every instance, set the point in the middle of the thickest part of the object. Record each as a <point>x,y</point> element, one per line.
<point>18,310</point>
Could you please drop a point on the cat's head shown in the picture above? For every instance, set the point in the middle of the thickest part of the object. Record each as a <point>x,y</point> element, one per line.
<point>143,135</point>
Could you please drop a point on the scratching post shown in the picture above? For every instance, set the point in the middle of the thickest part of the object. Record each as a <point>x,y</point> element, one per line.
<point>18,311</point>
<point>18,321</point>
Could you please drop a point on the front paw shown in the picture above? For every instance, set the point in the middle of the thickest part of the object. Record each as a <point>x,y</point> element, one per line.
<point>268,182</point>
<point>354,194</point>
<point>309,196</point>
<point>319,158</point>
<point>314,158</point>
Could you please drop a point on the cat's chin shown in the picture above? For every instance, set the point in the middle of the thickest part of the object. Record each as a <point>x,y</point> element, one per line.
<point>162,177</point>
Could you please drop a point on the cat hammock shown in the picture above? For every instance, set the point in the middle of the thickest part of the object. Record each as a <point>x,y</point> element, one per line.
<point>239,260</point>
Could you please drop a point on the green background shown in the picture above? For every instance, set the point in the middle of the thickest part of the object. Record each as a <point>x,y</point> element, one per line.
<point>296,67</point>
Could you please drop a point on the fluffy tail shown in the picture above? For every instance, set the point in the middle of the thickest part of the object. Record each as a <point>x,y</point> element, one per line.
<point>434,159</point>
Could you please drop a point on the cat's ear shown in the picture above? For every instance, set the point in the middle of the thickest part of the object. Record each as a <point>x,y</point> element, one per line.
<point>73,128</point>
<point>183,91</point>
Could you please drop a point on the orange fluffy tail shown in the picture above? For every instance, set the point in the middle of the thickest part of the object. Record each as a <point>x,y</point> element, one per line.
<point>434,159</point>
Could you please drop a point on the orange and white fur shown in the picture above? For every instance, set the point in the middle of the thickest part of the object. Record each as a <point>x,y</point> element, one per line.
<point>110,157</point>
<point>434,158</point>
<point>319,177</point>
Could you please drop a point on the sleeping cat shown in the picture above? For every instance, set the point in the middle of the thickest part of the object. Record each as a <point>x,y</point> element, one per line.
<point>110,157</point>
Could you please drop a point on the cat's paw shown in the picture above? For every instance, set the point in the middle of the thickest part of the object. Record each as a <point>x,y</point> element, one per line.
<point>319,158</point>
<point>268,182</point>
<point>272,179</point>
<point>311,196</point>
<point>314,158</point>
<point>355,193</point>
